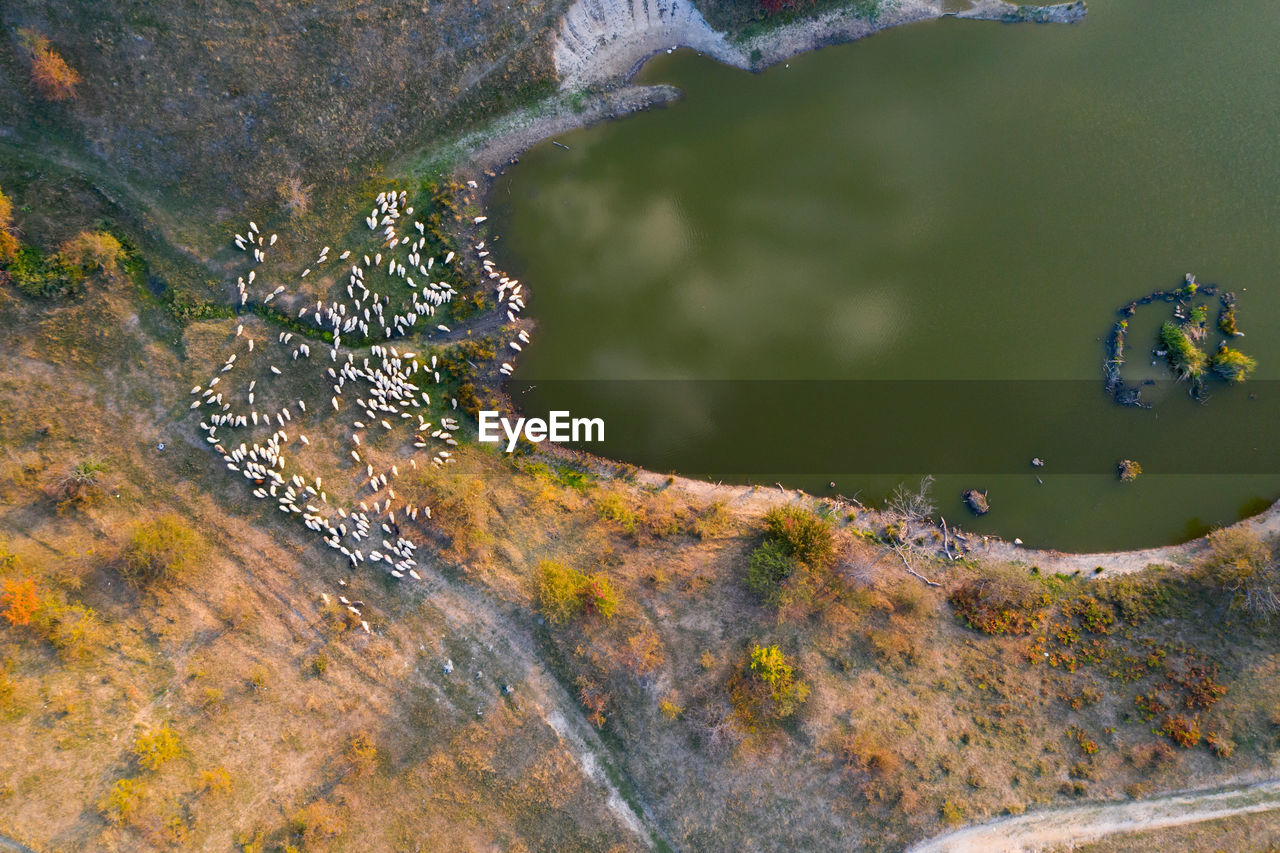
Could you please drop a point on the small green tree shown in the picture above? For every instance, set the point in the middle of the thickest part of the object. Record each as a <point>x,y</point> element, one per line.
<point>797,544</point>
<point>768,688</point>
<point>770,565</point>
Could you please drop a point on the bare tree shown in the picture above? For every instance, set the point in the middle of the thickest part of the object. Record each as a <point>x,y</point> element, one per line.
<point>1256,591</point>
<point>910,508</point>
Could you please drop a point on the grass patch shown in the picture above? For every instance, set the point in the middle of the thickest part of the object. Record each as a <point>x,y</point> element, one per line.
<point>1187,360</point>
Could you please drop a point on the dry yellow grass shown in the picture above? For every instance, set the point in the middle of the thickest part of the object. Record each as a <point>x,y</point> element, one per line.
<point>222,653</point>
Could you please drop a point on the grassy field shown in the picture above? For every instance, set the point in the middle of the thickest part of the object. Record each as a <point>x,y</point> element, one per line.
<point>915,721</point>
<point>633,662</point>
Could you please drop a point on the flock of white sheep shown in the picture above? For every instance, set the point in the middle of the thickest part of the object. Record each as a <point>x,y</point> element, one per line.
<point>391,386</point>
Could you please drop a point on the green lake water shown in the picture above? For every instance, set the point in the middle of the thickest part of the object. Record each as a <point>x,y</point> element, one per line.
<point>900,256</point>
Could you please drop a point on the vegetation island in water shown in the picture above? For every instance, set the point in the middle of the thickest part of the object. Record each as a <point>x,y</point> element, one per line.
<point>1179,342</point>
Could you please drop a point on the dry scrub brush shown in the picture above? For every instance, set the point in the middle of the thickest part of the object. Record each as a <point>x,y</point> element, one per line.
<point>1245,568</point>
<point>161,549</point>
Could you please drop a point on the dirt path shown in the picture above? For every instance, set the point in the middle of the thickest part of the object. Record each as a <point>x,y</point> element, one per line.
<point>7,843</point>
<point>1065,827</point>
<point>472,613</point>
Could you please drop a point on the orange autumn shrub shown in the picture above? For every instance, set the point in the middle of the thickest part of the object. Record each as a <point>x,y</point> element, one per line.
<point>52,76</point>
<point>20,601</point>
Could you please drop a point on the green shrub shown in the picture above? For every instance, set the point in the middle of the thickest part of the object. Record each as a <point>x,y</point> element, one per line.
<point>579,481</point>
<point>1227,320</point>
<point>362,752</point>
<point>770,665</point>
<point>769,566</point>
<point>8,242</point>
<point>558,587</point>
<point>612,506</point>
<point>565,593</point>
<point>1136,597</point>
<point>951,813</point>
<point>1221,745</point>
<point>215,781</point>
<point>1184,731</point>
<point>1236,548</point>
<point>1094,615</point>
<point>598,596</point>
<point>316,821</point>
<point>84,479</point>
<point>712,522</point>
<point>161,549</point>
<point>73,628</point>
<point>38,276</point>
<point>806,537</point>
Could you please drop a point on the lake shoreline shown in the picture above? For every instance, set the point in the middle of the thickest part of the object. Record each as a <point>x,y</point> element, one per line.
<point>486,154</point>
<point>758,498</point>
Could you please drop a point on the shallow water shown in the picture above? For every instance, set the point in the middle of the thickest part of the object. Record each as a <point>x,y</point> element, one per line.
<point>959,204</point>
